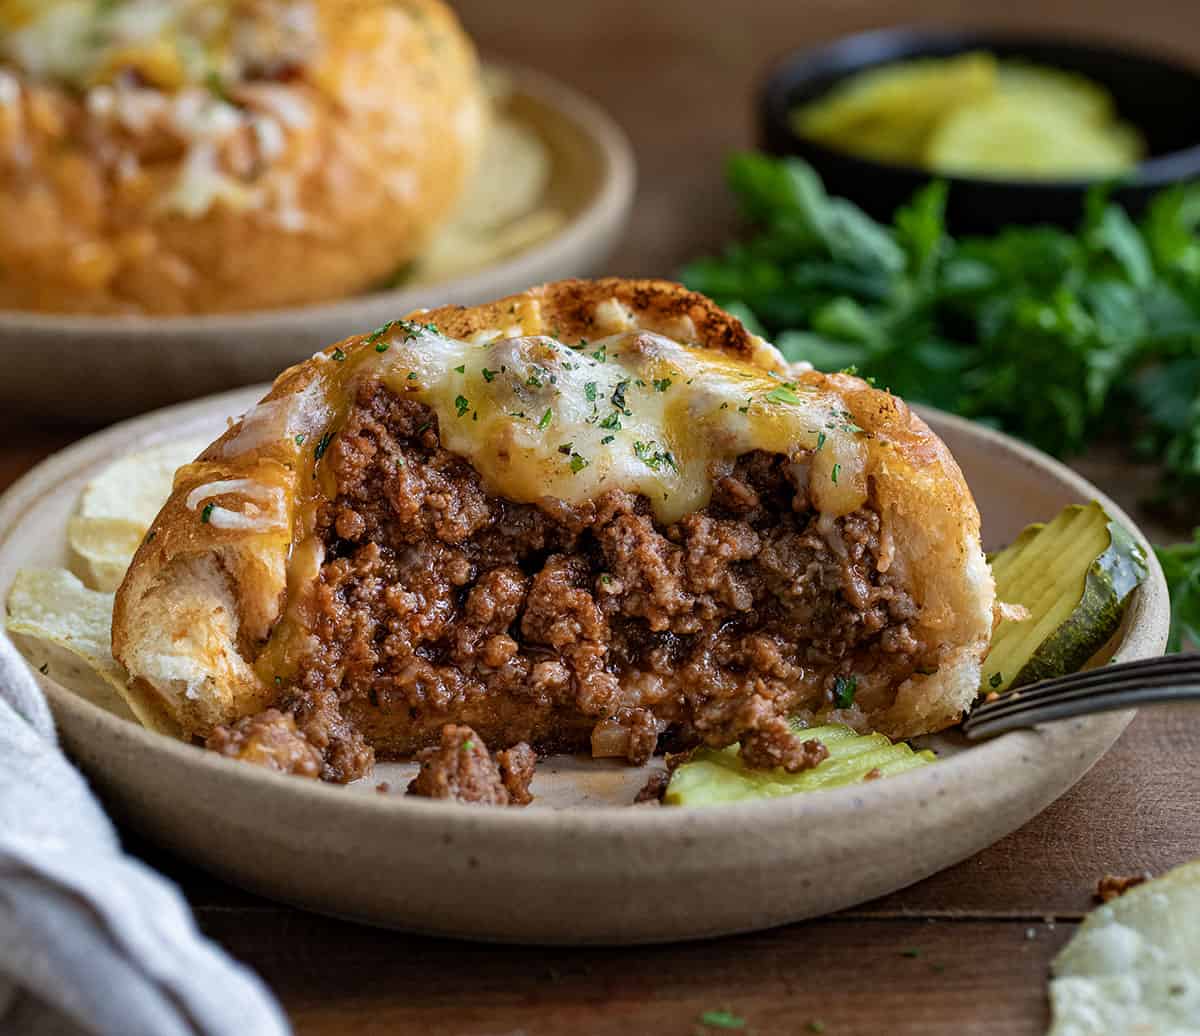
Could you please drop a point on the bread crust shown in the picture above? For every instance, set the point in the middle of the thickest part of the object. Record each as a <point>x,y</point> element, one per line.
<point>201,597</point>
<point>369,147</point>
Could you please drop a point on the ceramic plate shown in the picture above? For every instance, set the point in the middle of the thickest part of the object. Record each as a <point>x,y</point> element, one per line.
<point>122,366</point>
<point>578,866</point>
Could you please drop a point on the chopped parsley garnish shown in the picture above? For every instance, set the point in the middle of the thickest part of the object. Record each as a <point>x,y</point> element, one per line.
<point>338,354</point>
<point>300,439</point>
<point>996,680</point>
<point>487,374</point>
<point>323,445</point>
<point>912,951</point>
<point>425,424</point>
<point>534,380</point>
<point>382,347</point>
<point>601,354</point>
<point>412,375</point>
<point>743,410</point>
<point>468,745</point>
<point>461,404</point>
<point>279,681</point>
<point>461,368</point>
<point>618,396</point>
<point>589,390</point>
<point>652,458</point>
<point>820,439</point>
<point>206,514</point>
<point>816,1025</point>
<point>605,578</point>
<point>607,439</point>
<point>612,422</point>
<point>566,448</point>
<point>379,332</point>
<point>852,370</point>
<point>848,424</point>
<point>833,475</point>
<point>577,464</point>
<point>722,1020</point>
<point>547,417</point>
<point>782,394</point>
<point>662,384</point>
<point>844,688</point>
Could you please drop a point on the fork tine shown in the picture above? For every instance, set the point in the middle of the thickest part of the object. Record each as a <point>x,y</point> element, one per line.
<point>1122,685</point>
<point>1170,664</point>
<point>989,726</point>
<point>1019,701</point>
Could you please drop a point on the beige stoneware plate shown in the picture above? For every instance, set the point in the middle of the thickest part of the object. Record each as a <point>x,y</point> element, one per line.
<point>102,368</point>
<point>572,868</point>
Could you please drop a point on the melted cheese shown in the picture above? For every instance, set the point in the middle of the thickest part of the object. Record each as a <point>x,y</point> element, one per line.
<point>635,411</point>
<point>540,421</point>
<point>167,43</point>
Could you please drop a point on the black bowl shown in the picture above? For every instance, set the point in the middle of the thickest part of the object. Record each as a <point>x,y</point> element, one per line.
<point>1158,96</point>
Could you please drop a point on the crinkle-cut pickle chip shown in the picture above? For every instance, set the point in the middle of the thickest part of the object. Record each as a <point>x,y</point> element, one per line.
<point>1075,576</point>
<point>711,777</point>
<point>1134,964</point>
<point>1019,136</point>
<point>888,112</point>
<point>117,507</point>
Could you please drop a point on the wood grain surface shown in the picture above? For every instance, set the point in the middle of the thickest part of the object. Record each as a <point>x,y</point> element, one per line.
<point>966,951</point>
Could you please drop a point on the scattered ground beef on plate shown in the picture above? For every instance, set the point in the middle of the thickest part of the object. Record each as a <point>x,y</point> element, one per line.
<point>462,769</point>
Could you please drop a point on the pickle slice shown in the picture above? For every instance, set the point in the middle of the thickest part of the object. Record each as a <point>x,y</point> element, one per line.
<point>1021,135</point>
<point>1075,576</point>
<point>713,776</point>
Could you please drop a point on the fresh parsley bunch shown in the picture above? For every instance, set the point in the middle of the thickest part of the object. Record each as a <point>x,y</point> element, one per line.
<point>1060,338</point>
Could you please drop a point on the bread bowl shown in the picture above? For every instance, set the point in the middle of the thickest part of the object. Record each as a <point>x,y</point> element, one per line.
<point>180,157</point>
<point>598,513</point>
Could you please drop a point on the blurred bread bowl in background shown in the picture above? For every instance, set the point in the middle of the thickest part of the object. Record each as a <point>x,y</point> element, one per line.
<point>187,157</point>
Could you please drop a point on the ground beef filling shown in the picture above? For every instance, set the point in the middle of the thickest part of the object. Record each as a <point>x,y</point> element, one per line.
<point>439,603</point>
<point>461,769</point>
<point>308,737</point>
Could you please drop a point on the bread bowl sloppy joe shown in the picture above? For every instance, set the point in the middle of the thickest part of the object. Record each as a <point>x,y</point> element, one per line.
<point>178,156</point>
<point>597,514</point>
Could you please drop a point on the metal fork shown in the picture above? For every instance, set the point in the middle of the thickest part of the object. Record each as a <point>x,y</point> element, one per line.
<point>1123,685</point>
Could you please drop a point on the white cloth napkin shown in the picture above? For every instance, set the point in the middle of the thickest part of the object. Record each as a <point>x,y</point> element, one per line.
<point>91,940</point>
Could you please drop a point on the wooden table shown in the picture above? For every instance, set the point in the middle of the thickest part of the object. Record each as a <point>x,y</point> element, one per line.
<point>964,952</point>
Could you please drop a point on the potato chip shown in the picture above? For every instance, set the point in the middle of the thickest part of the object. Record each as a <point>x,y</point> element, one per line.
<point>101,549</point>
<point>118,506</point>
<point>504,209</point>
<point>52,605</point>
<point>136,486</point>
<point>1134,964</point>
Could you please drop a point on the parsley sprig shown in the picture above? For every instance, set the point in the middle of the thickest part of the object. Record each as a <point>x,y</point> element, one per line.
<point>1062,338</point>
<point>1059,337</point>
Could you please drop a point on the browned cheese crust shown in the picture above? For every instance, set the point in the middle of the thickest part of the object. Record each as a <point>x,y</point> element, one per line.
<point>365,561</point>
